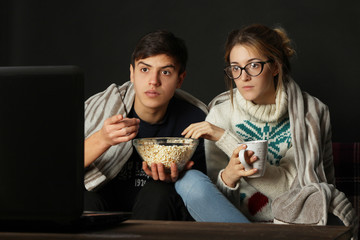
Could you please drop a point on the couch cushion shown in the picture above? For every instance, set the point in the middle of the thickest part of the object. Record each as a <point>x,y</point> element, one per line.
<point>347,171</point>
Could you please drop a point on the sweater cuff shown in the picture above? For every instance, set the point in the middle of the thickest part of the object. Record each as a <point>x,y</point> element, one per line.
<point>228,142</point>
<point>223,187</point>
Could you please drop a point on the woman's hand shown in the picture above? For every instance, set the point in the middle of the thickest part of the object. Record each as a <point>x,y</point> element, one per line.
<point>157,171</point>
<point>203,129</point>
<point>235,170</point>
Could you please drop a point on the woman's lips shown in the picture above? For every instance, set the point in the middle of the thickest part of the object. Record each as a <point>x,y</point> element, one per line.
<point>152,93</point>
<point>247,87</point>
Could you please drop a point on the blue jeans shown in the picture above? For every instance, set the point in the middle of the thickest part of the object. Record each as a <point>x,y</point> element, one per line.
<point>204,201</point>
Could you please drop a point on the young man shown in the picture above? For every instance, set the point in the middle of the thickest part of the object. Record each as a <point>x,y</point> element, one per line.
<point>149,105</point>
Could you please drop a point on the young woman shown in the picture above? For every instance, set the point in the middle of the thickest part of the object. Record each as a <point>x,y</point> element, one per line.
<point>298,184</point>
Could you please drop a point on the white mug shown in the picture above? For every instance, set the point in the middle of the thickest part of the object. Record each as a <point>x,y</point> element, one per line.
<point>260,149</point>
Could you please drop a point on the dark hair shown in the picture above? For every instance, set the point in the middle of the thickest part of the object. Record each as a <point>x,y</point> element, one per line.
<point>161,42</point>
<point>272,43</point>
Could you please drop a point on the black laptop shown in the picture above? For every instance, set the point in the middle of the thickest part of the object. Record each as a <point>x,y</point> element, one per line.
<point>41,149</point>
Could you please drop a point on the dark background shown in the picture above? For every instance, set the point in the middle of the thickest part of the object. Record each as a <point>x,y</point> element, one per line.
<point>99,36</point>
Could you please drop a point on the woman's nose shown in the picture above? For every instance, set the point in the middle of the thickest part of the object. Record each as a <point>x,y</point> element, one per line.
<point>244,76</point>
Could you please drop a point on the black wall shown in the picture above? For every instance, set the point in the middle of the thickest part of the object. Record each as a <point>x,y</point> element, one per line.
<point>99,36</point>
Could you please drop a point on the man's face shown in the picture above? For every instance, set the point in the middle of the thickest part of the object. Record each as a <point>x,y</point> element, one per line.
<point>155,80</point>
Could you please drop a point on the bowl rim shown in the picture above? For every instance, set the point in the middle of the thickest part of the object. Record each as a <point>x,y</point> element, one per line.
<point>135,140</point>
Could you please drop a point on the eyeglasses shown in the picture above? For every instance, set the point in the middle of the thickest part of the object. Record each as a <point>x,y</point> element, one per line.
<point>252,69</point>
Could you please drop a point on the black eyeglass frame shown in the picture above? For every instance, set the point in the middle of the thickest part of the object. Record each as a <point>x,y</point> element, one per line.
<point>244,68</point>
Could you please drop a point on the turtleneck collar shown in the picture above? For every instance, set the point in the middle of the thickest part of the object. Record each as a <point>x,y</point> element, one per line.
<point>264,113</point>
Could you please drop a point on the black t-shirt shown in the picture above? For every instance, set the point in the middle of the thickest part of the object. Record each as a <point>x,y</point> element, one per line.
<point>120,192</point>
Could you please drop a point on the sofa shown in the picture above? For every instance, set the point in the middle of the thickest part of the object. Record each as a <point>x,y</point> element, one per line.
<point>347,171</point>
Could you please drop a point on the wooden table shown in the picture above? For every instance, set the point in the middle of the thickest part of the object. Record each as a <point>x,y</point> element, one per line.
<point>170,230</point>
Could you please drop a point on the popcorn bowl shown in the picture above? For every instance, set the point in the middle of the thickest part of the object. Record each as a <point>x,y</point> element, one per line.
<point>166,150</point>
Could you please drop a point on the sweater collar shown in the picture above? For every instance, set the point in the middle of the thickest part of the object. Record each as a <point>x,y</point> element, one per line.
<point>264,113</point>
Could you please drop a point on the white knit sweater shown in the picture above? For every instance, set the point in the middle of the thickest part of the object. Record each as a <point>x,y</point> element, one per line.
<point>245,121</point>
<point>311,193</point>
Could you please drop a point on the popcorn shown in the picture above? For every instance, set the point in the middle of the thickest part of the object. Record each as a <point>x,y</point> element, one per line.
<point>166,150</point>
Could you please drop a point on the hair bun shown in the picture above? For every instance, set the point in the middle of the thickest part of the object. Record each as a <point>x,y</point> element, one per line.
<point>286,42</point>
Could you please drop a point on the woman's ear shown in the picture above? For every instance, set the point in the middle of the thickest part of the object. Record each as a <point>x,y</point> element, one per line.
<point>276,69</point>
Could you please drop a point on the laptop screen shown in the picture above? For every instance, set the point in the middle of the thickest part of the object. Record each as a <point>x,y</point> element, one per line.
<point>41,142</point>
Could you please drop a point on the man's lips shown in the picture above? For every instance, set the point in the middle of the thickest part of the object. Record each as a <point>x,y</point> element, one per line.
<point>152,93</point>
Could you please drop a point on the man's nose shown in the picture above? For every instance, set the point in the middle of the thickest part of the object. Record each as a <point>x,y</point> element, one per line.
<point>155,79</point>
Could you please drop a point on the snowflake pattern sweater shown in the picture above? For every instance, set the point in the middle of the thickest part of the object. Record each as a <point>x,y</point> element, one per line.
<point>245,121</point>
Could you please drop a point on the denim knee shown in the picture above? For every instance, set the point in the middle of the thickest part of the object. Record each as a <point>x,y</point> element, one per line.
<point>193,183</point>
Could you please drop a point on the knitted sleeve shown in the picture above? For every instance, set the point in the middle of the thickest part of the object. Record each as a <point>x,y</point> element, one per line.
<point>217,157</point>
<point>233,194</point>
<point>218,153</point>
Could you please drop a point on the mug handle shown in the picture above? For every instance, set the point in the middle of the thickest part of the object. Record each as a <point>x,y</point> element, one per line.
<point>242,160</point>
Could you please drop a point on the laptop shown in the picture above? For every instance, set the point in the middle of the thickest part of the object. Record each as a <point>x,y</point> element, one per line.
<point>42,147</point>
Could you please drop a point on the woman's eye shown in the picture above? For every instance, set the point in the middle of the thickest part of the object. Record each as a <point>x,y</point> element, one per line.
<point>235,68</point>
<point>144,69</point>
<point>254,65</point>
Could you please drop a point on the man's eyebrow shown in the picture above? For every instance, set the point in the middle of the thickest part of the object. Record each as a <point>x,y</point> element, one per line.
<point>141,62</point>
<point>169,66</point>
<point>166,66</point>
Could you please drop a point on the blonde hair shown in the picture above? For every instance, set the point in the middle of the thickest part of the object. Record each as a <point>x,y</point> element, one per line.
<point>272,43</point>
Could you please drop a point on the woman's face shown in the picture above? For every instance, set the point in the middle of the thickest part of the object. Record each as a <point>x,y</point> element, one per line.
<point>259,89</point>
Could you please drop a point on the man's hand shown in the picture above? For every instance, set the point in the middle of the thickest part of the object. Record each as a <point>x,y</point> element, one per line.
<point>158,171</point>
<point>117,129</point>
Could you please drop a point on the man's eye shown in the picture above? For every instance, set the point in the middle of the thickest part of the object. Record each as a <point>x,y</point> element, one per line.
<point>144,69</point>
<point>167,73</point>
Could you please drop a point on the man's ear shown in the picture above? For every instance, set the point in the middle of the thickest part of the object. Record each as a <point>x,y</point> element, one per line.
<point>131,73</point>
<point>181,79</point>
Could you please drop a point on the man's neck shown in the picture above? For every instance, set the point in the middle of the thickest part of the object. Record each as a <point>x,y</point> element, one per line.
<point>150,115</point>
